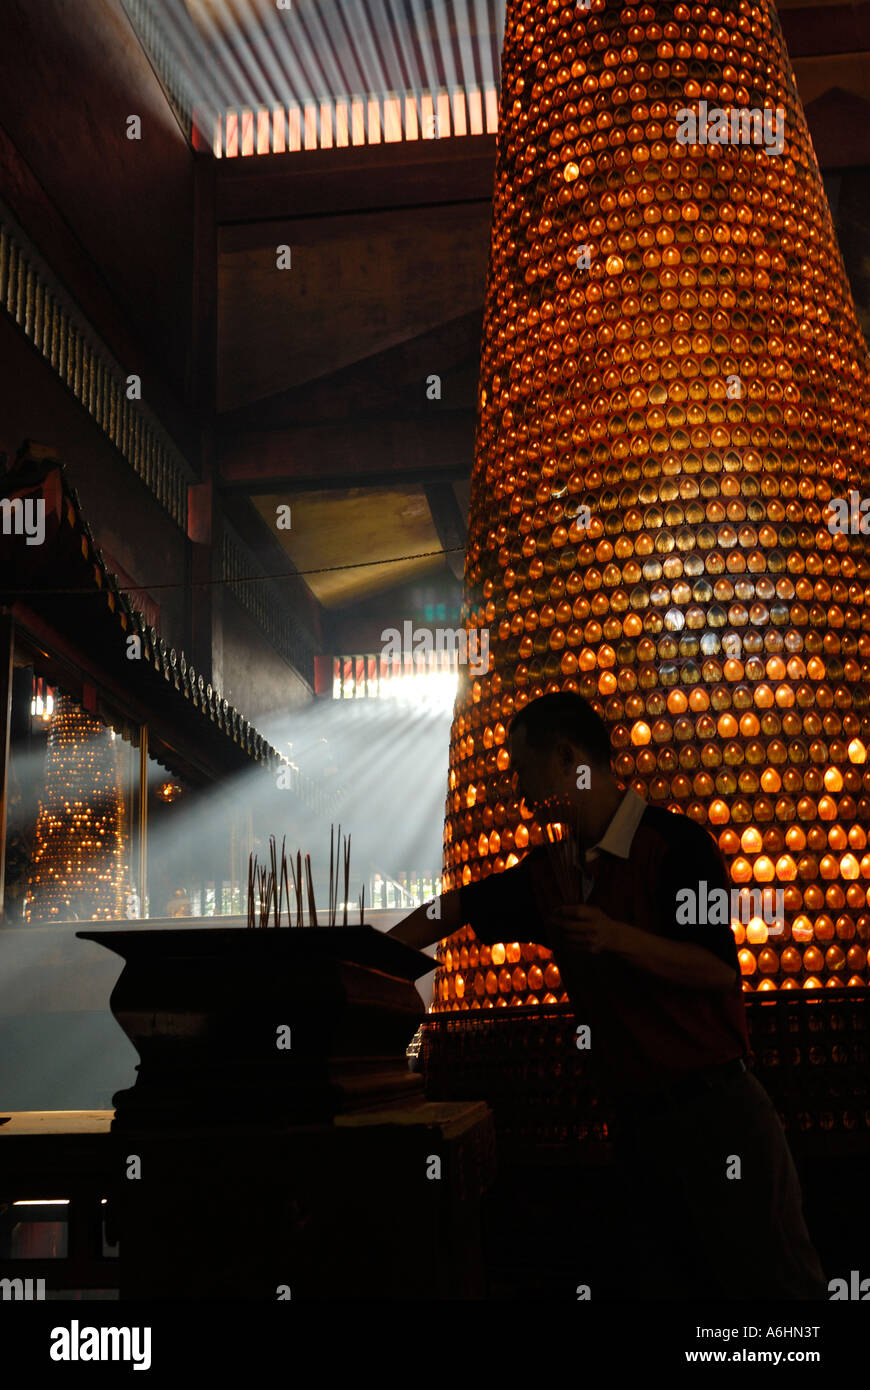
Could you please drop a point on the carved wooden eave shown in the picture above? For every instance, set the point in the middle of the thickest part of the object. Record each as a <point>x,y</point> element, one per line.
<point>62,594</point>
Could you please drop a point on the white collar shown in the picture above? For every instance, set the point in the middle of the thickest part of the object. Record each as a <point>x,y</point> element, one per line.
<point>618,836</point>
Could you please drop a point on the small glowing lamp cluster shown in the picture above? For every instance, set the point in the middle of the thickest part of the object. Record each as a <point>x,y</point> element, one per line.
<point>79,869</point>
<point>673,389</point>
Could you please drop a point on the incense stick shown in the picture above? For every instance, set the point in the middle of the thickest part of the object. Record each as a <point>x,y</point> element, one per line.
<point>286,883</point>
<point>296,890</point>
<point>279,874</point>
<point>262,894</point>
<point>329,909</point>
<point>312,910</point>
<point>346,878</point>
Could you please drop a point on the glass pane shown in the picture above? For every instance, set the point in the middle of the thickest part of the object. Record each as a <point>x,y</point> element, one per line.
<point>198,845</point>
<point>72,846</point>
<point>33,1232</point>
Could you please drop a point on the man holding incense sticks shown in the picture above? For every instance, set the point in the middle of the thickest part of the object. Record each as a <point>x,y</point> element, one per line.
<point>715,1201</point>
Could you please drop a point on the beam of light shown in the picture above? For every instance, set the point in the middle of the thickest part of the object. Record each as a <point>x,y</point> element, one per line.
<point>494,29</point>
<point>391,766</point>
<point>387,765</point>
<point>466,46</point>
<point>227,39</point>
<point>445,42</point>
<point>340,77</point>
<point>377,81</point>
<point>259,48</point>
<point>248,56</point>
<point>189,54</point>
<point>429,78</point>
<point>384,763</point>
<point>390,33</point>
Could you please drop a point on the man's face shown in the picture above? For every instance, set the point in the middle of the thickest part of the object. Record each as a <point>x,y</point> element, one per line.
<point>545,776</point>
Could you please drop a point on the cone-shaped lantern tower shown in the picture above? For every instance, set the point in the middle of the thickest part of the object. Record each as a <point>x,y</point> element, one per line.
<point>80,867</point>
<point>671,456</point>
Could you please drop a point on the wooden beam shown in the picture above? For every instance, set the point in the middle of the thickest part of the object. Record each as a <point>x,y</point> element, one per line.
<point>820,31</point>
<point>418,173</point>
<point>349,454</point>
<point>387,384</point>
<point>368,422</point>
<point>449,523</point>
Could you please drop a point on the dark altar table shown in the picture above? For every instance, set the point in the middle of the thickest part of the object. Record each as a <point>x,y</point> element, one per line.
<point>276,1144</point>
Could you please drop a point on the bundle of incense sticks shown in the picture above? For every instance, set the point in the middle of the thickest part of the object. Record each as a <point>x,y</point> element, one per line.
<point>266,891</point>
<point>262,893</point>
<point>336,848</point>
<point>563,845</point>
<point>269,892</point>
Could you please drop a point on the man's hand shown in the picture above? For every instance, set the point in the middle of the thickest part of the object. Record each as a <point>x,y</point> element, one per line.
<point>586,928</point>
<point>582,928</point>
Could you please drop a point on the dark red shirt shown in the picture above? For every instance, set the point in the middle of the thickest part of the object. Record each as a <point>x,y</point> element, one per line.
<point>646,1033</point>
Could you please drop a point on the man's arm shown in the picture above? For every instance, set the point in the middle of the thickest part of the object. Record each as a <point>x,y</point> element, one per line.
<point>680,962</point>
<point>430,921</point>
<point>500,907</point>
<point>587,930</point>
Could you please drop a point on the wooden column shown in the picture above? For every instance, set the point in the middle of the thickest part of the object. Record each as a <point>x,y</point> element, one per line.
<point>7,647</point>
<point>143,821</point>
<point>204,514</point>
